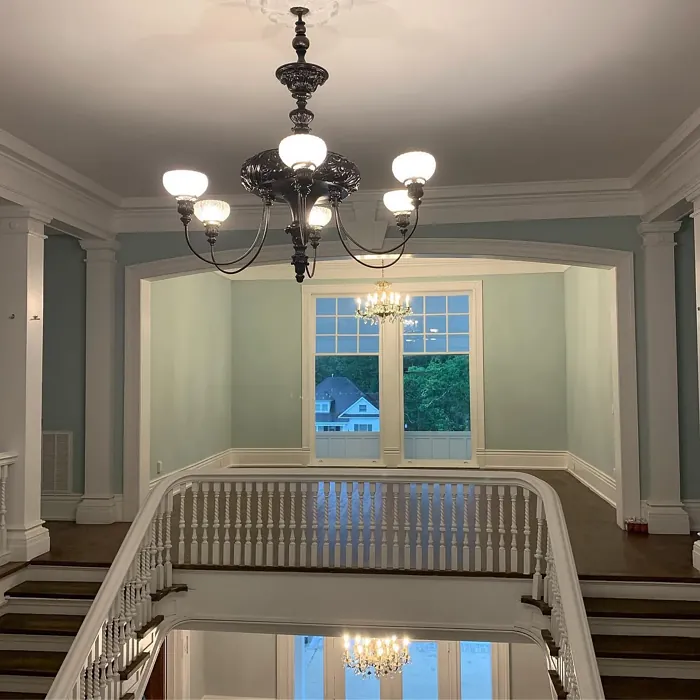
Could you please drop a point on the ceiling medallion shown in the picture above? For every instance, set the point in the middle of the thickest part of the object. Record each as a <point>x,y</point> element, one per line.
<point>371,656</point>
<point>305,176</point>
<point>383,305</point>
<point>320,11</point>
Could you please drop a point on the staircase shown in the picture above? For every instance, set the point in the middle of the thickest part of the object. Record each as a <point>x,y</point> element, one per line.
<point>645,648</point>
<point>44,608</point>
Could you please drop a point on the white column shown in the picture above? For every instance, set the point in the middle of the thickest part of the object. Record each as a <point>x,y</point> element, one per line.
<point>99,504</point>
<point>696,239</point>
<point>21,342</point>
<point>666,514</point>
<point>391,422</point>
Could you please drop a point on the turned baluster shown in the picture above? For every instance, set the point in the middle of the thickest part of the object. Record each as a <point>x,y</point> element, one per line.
<point>215,544</point>
<point>336,541</point>
<point>303,545</point>
<point>372,525</point>
<point>466,547</point>
<point>526,531</point>
<point>453,528</point>
<point>326,528</point>
<point>501,530</point>
<point>314,523</point>
<point>204,557</point>
<point>269,546</point>
<point>442,528</point>
<point>292,525</point>
<point>395,528</point>
<point>247,546</point>
<point>383,488</point>
<point>168,545</point>
<point>259,525</point>
<point>537,589</point>
<point>160,545</point>
<point>478,564</point>
<point>419,526</point>
<point>238,526</point>
<point>194,544</point>
<point>513,529</point>
<point>489,529</point>
<point>431,529</point>
<point>406,525</point>
<point>281,547</point>
<point>227,524</point>
<point>361,524</point>
<point>181,527</point>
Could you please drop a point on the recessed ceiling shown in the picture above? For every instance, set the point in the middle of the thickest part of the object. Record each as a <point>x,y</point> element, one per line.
<point>498,90</point>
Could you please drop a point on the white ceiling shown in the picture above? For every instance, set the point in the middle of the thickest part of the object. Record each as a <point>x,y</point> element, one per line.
<point>498,90</point>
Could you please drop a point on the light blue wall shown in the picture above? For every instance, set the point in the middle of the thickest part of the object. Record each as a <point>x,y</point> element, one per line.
<point>590,300</point>
<point>64,345</point>
<point>190,369</point>
<point>615,232</point>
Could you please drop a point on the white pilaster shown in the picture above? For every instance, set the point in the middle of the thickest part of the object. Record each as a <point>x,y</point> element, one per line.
<point>666,514</point>
<point>99,504</point>
<point>21,333</point>
<point>391,433</point>
<point>696,236</point>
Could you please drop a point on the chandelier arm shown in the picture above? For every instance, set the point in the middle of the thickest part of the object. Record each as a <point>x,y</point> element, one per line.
<point>362,262</point>
<point>214,262</point>
<point>312,271</point>
<point>264,228</point>
<point>340,227</point>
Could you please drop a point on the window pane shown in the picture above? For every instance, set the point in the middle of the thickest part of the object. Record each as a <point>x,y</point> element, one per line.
<point>342,381</point>
<point>417,305</point>
<point>458,304</point>
<point>436,324</point>
<point>325,343</point>
<point>458,343</point>
<point>346,306</point>
<point>413,343</point>
<point>436,343</point>
<point>437,424</point>
<point>414,324</point>
<point>370,344</point>
<point>325,325</point>
<point>347,343</point>
<point>369,329</point>
<point>347,326</point>
<point>357,688</point>
<point>458,324</point>
<point>325,307</point>
<point>420,677</point>
<point>475,667</point>
<point>435,305</point>
<point>308,668</point>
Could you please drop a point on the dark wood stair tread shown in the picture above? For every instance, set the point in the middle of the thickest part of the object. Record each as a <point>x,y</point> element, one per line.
<point>7,695</point>
<point>633,688</point>
<point>74,590</point>
<point>31,663</point>
<point>61,625</point>
<point>617,646</point>
<point>641,608</point>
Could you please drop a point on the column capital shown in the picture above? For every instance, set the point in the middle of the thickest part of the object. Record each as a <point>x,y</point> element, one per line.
<point>658,233</point>
<point>23,220</point>
<point>99,250</point>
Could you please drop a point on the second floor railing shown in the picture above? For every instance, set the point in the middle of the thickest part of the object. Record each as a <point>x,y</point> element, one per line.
<point>7,459</point>
<point>412,521</point>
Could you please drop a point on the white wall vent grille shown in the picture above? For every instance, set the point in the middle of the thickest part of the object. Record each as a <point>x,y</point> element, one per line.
<point>57,461</point>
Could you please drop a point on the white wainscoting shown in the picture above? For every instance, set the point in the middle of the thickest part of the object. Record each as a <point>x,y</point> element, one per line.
<point>434,444</point>
<point>347,446</point>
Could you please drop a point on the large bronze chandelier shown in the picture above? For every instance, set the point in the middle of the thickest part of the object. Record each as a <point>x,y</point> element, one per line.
<point>302,173</point>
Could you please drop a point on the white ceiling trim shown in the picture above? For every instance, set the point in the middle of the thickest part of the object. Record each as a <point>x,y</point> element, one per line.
<point>409,267</point>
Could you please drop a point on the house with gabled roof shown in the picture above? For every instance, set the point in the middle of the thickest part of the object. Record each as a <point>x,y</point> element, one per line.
<point>342,407</point>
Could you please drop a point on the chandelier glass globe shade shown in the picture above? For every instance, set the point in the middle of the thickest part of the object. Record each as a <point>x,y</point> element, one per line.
<point>415,166</point>
<point>212,211</point>
<point>398,202</point>
<point>319,216</point>
<point>189,184</point>
<point>302,151</point>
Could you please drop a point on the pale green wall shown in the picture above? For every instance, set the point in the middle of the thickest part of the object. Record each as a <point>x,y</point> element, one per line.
<point>589,299</point>
<point>524,362</point>
<point>266,363</point>
<point>64,345</point>
<point>190,369</point>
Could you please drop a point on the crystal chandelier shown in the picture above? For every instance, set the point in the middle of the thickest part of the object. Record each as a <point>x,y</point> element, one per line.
<point>371,656</point>
<point>383,305</point>
<point>305,176</point>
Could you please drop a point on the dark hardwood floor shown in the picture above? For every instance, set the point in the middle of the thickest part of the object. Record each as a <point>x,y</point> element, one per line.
<point>601,549</point>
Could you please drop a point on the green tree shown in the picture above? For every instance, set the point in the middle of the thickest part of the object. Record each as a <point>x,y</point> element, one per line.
<point>361,370</point>
<point>436,392</point>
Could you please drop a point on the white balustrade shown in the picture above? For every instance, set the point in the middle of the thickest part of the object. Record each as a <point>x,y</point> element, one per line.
<point>7,459</point>
<point>391,520</point>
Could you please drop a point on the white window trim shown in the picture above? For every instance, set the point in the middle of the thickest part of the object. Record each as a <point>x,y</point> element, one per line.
<point>391,434</point>
<point>449,671</point>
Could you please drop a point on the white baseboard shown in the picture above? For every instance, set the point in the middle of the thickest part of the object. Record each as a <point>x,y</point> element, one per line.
<point>522,459</point>
<point>269,457</point>
<point>26,544</point>
<point>60,506</point>
<point>666,518</point>
<point>597,480</point>
<point>692,508</point>
<point>99,510</point>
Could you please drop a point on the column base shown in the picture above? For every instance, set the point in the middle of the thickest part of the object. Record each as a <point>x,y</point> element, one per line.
<point>99,510</point>
<point>667,519</point>
<point>696,555</point>
<point>24,545</point>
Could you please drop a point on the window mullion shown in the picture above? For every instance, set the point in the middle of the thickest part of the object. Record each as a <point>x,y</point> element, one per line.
<point>391,423</point>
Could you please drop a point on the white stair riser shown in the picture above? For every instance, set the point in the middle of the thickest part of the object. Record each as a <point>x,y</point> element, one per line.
<point>35,642</point>
<point>646,627</point>
<point>25,684</point>
<point>47,606</point>
<point>640,589</point>
<point>65,573</point>
<point>649,668</point>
